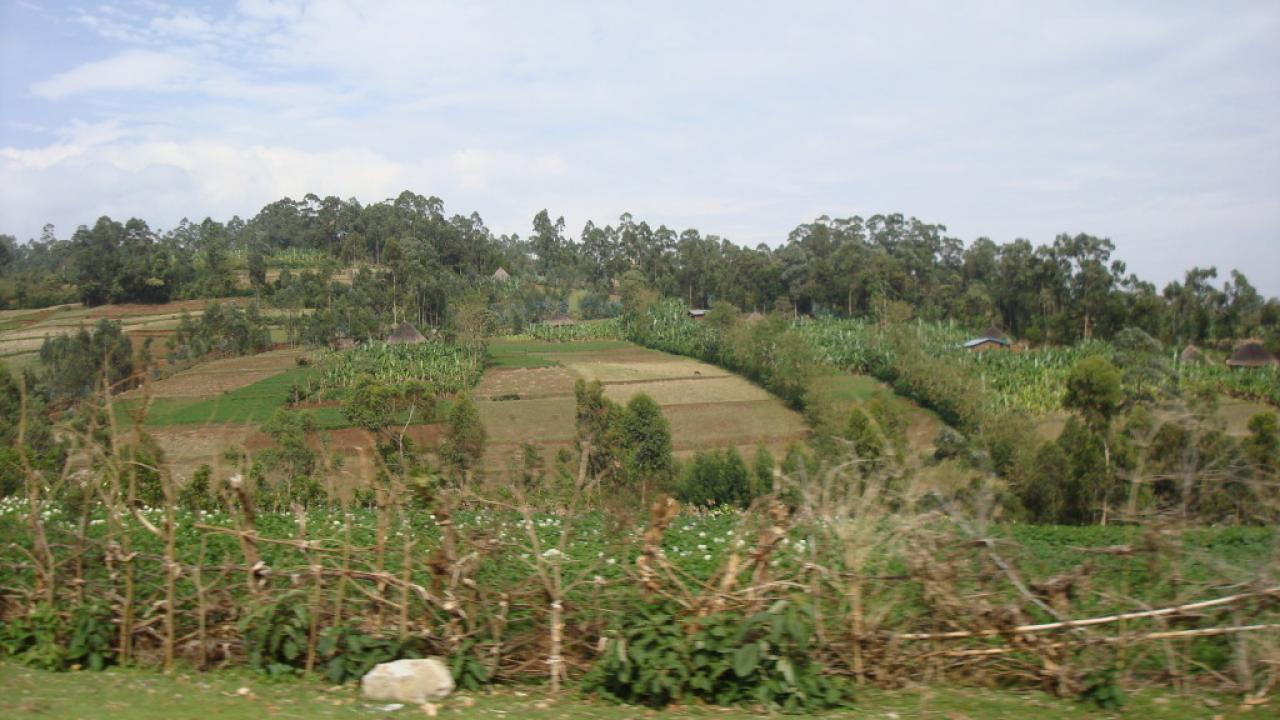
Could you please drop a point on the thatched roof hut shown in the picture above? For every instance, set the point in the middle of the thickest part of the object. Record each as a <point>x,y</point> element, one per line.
<point>1252,353</point>
<point>559,319</point>
<point>1191,355</point>
<point>406,334</point>
<point>753,317</point>
<point>501,275</point>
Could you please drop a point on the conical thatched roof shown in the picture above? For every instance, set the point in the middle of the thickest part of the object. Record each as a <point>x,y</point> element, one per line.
<point>406,334</point>
<point>1252,353</point>
<point>1191,355</point>
<point>501,275</point>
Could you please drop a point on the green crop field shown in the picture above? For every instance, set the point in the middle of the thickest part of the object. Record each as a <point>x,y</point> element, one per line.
<point>250,404</point>
<point>528,353</point>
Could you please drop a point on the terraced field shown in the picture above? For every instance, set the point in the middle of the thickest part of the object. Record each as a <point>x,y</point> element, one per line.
<point>23,331</point>
<point>526,395</point>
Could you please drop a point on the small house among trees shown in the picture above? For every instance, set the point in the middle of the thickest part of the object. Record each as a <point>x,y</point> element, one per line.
<point>559,319</point>
<point>1191,355</point>
<point>1252,354</point>
<point>501,275</point>
<point>991,338</point>
<point>406,334</point>
<point>697,313</point>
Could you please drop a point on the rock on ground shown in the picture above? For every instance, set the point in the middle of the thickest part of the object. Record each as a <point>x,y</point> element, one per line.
<point>408,681</point>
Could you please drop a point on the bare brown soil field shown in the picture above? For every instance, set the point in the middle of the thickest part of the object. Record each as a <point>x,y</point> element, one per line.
<point>707,407</point>
<point>709,425</point>
<point>187,448</point>
<point>20,345</point>
<point>218,376</point>
<point>690,391</point>
<point>115,312</point>
<point>610,369</point>
<point>528,383</point>
<point>518,421</point>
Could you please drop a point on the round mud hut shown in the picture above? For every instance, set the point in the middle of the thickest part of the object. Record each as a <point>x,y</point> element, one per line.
<point>1191,355</point>
<point>1252,354</point>
<point>406,334</point>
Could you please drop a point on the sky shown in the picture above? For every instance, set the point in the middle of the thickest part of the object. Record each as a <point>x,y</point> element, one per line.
<point>1154,124</point>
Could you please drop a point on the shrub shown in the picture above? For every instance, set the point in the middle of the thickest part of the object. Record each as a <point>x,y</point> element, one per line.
<point>646,437</point>
<point>717,478</point>
<point>464,436</point>
<point>656,657</point>
<point>867,442</point>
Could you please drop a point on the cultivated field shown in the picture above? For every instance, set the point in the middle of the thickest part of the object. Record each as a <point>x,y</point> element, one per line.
<point>527,396</point>
<point>23,331</point>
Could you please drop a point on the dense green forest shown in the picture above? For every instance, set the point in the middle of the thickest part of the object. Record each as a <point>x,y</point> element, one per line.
<point>413,258</point>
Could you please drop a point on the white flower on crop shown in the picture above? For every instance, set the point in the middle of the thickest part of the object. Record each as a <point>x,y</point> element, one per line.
<point>702,547</point>
<point>553,552</point>
<point>706,557</point>
<point>610,561</point>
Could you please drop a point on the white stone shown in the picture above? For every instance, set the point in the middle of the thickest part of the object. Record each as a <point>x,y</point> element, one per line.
<point>408,681</point>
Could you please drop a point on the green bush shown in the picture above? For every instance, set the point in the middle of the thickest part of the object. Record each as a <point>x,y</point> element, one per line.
<point>656,657</point>
<point>717,477</point>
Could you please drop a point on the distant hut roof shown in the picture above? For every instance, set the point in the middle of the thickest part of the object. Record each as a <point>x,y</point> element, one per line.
<point>559,319</point>
<point>1191,355</point>
<point>501,275</point>
<point>991,336</point>
<point>697,312</point>
<point>1252,353</point>
<point>406,334</point>
<point>979,342</point>
<point>753,317</point>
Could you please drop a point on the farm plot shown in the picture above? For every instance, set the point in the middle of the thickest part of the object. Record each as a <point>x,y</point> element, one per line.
<point>839,393</point>
<point>707,407</point>
<point>219,376</point>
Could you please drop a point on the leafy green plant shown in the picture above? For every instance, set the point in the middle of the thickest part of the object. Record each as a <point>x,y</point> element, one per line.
<point>275,635</point>
<point>646,662</point>
<point>655,659</point>
<point>469,673</point>
<point>1103,690</point>
<point>35,640</point>
<point>92,637</point>
<point>347,654</point>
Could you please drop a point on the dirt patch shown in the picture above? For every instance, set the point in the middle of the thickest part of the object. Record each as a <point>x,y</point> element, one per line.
<point>686,391</point>
<point>528,383</point>
<point>518,421</point>
<point>199,384</point>
<point>175,307</point>
<point>218,376</point>
<point>742,423</point>
<point>610,371</point>
<point>186,449</point>
<point>13,347</point>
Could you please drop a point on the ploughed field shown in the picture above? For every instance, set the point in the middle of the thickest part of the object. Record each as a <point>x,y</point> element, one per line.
<point>526,396</point>
<point>23,331</point>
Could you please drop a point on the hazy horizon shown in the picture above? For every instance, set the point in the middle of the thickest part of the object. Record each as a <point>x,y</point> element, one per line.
<point>1155,125</point>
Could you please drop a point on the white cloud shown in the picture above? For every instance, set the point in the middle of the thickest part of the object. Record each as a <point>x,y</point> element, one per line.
<point>130,70</point>
<point>477,169</point>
